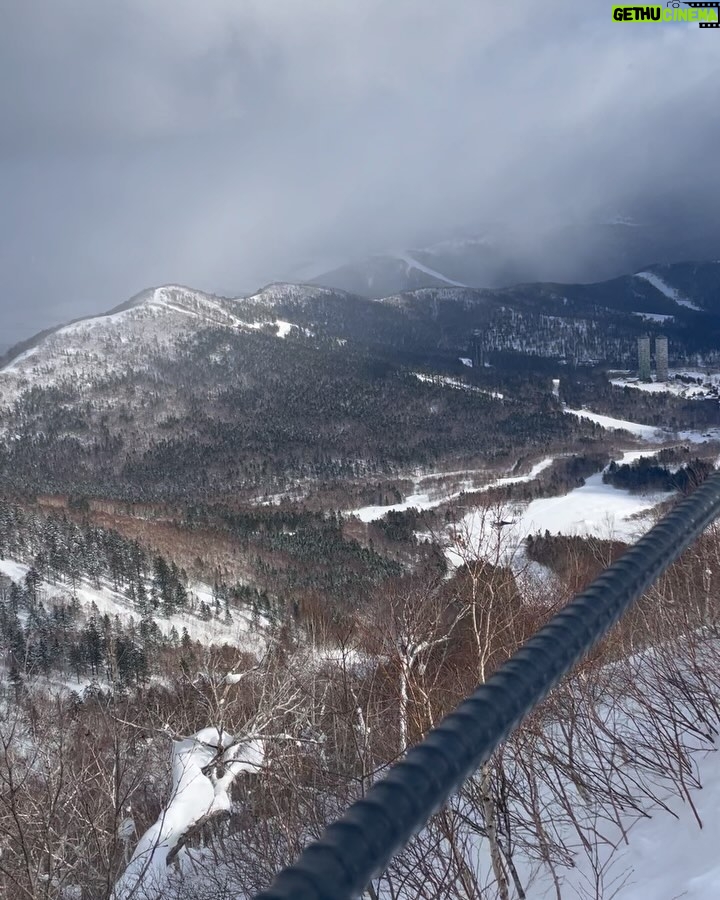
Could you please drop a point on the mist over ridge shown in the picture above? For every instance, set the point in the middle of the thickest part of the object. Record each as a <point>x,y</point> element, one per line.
<point>232,145</point>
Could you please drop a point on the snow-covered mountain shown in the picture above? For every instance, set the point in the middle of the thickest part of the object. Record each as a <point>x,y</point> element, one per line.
<point>181,391</point>
<point>500,256</point>
<point>151,323</point>
<point>155,322</point>
<point>378,276</point>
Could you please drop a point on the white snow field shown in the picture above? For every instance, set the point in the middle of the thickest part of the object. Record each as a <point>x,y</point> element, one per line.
<point>429,499</point>
<point>646,432</point>
<point>600,510</point>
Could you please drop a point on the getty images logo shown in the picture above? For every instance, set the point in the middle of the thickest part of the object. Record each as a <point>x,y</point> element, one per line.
<point>705,14</point>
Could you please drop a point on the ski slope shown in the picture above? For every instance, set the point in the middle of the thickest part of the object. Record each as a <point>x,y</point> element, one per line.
<point>594,509</point>
<point>414,264</point>
<point>424,498</point>
<point>648,433</point>
<point>670,292</point>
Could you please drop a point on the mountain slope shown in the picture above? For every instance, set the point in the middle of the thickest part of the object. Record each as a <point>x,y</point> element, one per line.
<point>179,394</point>
<point>151,323</point>
<point>500,256</point>
<point>381,275</point>
<point>184,395</point>
<point>130,335</point>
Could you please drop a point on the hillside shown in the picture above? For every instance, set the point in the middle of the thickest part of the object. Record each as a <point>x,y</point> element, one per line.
<point>151,761</point>
<point>178,394</point>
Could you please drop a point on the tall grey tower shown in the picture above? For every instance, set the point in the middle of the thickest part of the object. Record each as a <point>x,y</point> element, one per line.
<point>661,358</point>
<point>644,358</point>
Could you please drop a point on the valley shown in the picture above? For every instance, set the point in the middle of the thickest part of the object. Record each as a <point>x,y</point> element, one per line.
<point>301,440</point>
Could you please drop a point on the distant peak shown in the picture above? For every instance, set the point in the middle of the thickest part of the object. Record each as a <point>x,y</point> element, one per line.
<point>288,292</point>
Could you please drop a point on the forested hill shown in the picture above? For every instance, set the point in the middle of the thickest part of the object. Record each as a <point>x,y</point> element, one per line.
<point>183,394</point>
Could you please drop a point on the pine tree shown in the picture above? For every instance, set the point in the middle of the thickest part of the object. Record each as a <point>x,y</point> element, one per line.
<point>32,582</point>
<point>92,646</point>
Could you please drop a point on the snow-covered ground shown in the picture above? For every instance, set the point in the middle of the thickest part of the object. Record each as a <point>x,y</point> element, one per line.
<point>426,498</point>
<point>668,855</point>
<point>647,432</point>
<point>706,386</point>
<point>241,632</point>
<point>596,509</point>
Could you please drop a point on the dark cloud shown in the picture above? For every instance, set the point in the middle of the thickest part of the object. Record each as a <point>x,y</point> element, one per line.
<point>217,143</point>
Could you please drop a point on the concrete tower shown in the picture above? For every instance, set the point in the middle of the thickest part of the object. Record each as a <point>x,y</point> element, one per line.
<point>644,358</point>
<point>661,358</point>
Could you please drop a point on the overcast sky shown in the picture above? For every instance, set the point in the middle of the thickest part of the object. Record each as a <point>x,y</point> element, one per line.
<point>219,143</point>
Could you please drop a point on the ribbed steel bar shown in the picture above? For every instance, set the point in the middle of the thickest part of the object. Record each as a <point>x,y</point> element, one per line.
<point>360,845</point>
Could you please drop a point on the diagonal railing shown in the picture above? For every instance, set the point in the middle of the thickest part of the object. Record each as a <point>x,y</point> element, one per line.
<point>359,846</point>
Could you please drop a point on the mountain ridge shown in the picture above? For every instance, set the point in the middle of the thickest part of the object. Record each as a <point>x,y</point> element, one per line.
<point>221,309</point>
<point>296,384</point>
<point>501,256</point>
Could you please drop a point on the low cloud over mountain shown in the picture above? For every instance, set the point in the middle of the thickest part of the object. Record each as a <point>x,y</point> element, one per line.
<point>224,145</point>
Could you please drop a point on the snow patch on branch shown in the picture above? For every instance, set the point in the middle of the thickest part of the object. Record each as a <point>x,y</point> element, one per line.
<point>204,767</point>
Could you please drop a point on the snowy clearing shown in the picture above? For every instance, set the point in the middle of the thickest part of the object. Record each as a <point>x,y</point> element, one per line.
<point>595,509</point>
<point>648,433</point>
